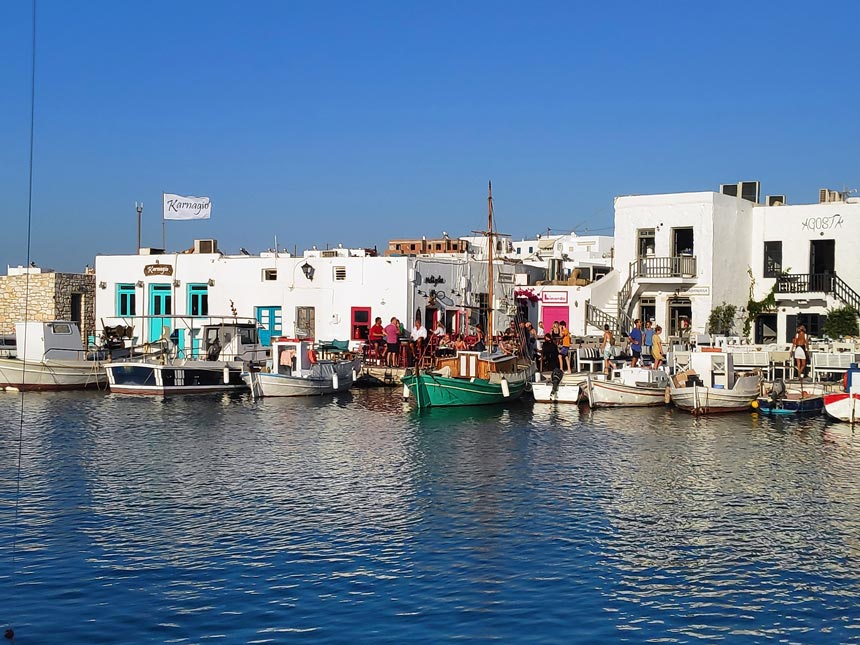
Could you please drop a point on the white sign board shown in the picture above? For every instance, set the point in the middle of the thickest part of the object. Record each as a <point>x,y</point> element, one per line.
<point>179,207</point>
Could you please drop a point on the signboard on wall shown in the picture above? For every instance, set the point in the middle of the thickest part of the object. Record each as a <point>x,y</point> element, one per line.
<point>696,291</point>
<point>158,269</point>
<point>554,297</point>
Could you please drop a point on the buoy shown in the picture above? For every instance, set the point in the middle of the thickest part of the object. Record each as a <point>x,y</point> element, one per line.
<point>537,377</point>
<point>334,382</point>
<point>11,388</point>
<point>405,392</point>
<point>506,391</point>
<point>354,375</point>
<point>754,404</point>
<point>226,376</point>
<point>9,634</point>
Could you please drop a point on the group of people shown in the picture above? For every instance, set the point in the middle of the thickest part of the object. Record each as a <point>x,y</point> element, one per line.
<point>387,340</point>
<point>645,344</point>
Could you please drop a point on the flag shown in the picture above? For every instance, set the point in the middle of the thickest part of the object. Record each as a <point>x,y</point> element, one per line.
<point>179,207</point>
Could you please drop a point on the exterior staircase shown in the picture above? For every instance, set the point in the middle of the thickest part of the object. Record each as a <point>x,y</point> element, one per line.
<point>828,283</point>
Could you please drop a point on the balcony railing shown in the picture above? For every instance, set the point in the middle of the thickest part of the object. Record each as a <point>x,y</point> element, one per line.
<point>678,266</point>
<point>828,283</point>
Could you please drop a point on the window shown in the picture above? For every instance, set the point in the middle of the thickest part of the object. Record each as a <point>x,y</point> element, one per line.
<point>198,299</point>
<point>518,250</point>
<point>645,242</point>
<point>61,328</point>
<point>125,300</point>
<point>772,259</point>
<point>360,317</point>
<point>270,274</point>
<point>340,273</point>
<point>814,324</point>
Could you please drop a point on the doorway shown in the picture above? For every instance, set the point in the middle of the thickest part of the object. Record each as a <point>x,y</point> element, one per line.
<point>647,309</point>
<point>160,310</point>
<point>765,329</point>
<point>682,241</point>
<point>822,264</point>
<point>680,318</point>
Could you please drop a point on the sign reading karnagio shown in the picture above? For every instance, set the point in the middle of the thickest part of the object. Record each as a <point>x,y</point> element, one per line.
<point>179,207</point>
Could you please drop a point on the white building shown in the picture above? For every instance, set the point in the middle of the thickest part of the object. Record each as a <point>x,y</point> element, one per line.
<point>326,295</point>
<point>679,255</point>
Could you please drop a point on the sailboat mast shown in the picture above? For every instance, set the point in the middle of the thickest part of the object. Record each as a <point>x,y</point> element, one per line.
<point>490,245</point>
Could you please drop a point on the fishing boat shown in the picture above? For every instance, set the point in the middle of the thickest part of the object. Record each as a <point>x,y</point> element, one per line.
<point>628,387</point>
<point>231,348</point>
<point>297,371</point>
<point>559,388</point>
<point>845,405</point>
<point>789,399</point>
<point>470,377</point>
<point>50,356</point>
<point>711,386</point>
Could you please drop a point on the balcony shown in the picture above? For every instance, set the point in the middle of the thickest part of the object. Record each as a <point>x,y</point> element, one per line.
<point>805,283</point>
<point>676,267</point>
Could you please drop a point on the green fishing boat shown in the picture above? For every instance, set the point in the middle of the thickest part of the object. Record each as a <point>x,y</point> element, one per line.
<point>469,377</point>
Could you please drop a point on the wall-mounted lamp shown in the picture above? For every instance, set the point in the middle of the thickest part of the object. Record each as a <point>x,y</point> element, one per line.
<point>176,283</point>
<point>140,284</point>
<point>211,282</point>
<point>102,285</point>
<point>308,270</point>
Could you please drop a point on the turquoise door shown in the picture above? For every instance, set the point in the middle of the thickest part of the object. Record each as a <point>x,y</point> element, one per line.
<point>160,308</point>
<point>270,319</point>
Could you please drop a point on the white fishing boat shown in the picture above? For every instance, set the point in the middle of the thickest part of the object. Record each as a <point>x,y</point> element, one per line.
<point>628,387</point>
<point>297,371</point>
<point>50,356</point>
<point>845,405</point>
<point>711,385</point>
<point>559,388</point>
<point>230,348</point>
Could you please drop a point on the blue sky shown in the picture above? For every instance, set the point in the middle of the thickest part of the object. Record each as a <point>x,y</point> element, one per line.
<point>353,123</point>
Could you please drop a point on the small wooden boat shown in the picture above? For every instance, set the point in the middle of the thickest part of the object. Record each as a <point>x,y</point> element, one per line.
<point>50,356</point>
<point>785,399</point>
<point>711,386</point>
<point>296,371</point>
<point>559,388</point>
<point>628,387</point>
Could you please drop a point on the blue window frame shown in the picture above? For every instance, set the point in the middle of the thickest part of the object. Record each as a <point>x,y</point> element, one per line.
<point>125,300</point>
<point>198,299</point>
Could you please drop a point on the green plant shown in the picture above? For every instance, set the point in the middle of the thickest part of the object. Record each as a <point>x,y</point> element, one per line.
<point>757,307</point>
<point>841,322</point>
<point>722,319</point>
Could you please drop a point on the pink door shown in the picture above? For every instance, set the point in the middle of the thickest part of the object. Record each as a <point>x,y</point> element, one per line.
<point>554,313</point>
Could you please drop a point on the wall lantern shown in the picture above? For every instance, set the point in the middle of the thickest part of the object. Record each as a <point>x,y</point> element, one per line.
<point>176,283</point>
<point>102,285</point>
<point>140,284</point>
<point>308,270</point>
<point>211,282</point>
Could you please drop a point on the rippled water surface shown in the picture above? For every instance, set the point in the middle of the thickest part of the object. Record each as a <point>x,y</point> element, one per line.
<point>358,519</point>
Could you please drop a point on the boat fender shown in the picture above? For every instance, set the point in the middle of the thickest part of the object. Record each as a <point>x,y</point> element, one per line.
<point>354,375</point>
<point>334,382</point>
<point>506,391</point>
<point>226,376</point>
<point>312,356</point>
<point>405,392</point>
<point>667,395</point>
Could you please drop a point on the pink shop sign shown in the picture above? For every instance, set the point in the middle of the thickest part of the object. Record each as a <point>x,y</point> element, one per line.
<point>554,297</point>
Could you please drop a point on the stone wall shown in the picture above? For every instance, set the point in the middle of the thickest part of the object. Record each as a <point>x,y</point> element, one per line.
<point>49,298</point>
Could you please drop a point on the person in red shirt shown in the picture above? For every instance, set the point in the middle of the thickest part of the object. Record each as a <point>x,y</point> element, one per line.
<point>377,337</point>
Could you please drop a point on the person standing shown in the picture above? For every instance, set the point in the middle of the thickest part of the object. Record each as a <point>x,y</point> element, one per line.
<point>657,347</point>
<point>635,336</point>
<point>392,341</point>
<point>800,350</point>
<point>647,336</point>
<point>564,348</point>
<point>606,347</point>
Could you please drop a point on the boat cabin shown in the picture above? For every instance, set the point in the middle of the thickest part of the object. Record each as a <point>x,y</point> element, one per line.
<point>476,365</point>
<point>640,376</point>
<point>292,356</point>
<point>233,341</point>
<point>51,340</point>
<point>713,369</point>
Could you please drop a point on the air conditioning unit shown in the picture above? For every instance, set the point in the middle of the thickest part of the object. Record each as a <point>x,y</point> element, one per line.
<point>750,191</point>
<point>206,246</point>
<point>775,200</point>
<point>729,189</point>
<point>328,254</point>
<point>826,196</point>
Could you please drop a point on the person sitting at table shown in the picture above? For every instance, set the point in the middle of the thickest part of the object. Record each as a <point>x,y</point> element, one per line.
<point>439,329</point>
<point>460,343</point>
<point>480,341</point>
<point>418,338</point>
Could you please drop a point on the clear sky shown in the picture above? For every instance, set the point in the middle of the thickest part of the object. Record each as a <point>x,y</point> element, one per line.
<point>356,122</point>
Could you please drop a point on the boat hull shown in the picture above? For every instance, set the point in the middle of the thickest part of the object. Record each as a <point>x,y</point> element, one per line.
<point>843,406</point>
<point>433,390</point>
<point>608,394</point>
<point>566,392</point>
<point>321,383</point>
<point>809,405</point>
<point>700,399</point>
<point>51,375</point>
<point>194,377</point>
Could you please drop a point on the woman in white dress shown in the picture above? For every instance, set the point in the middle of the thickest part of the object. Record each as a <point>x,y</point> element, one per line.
<point>799,349</point>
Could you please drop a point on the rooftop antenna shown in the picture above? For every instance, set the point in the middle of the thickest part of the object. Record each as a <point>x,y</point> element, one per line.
<point>276,246</point>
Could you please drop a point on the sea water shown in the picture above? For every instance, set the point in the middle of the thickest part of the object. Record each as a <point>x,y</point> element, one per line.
<point>358,519</point>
